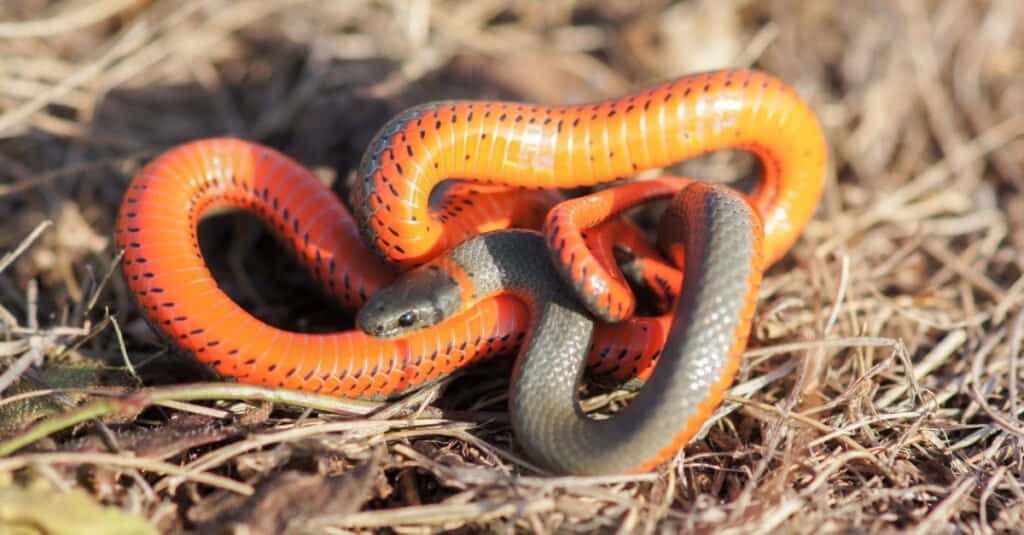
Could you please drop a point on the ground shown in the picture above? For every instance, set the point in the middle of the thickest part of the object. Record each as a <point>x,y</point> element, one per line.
<point>880,391</point>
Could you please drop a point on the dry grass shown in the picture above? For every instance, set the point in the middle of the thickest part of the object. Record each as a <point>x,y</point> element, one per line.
<point>882,389</point>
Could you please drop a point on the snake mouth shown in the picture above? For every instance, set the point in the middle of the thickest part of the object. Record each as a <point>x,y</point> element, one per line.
<point>388,334</point>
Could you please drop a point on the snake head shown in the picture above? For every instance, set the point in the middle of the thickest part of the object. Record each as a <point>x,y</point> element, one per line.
<point>418,299</point>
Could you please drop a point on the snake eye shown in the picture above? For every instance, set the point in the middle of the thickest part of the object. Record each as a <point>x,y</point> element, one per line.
<point>407,319</point>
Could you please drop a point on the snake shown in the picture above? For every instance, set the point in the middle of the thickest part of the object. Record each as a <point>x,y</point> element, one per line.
<point>157,230</point>
<point>722,237</point>
<point>541,147</point>
<point>722,241</point>
<point>470,154</point>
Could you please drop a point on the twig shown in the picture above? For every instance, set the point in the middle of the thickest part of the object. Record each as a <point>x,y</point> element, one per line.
<point>32,357</point>
<point>24,245</point>
<point>120,345</point>
<point>436,515</point>
<point>135,402</point>
<point>131,39</point>
<point>72,19</point>
<point>150,465</point>
<point>223,454</point>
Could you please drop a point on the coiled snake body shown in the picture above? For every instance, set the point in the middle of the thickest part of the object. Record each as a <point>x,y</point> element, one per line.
<point>478,290</point>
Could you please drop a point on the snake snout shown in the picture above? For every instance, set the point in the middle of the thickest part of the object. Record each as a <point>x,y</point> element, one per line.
<point>373,318</point>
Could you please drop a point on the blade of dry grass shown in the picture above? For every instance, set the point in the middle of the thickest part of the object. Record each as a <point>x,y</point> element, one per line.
<point>66,21</point>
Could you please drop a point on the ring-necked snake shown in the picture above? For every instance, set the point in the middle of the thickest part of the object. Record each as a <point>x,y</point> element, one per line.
<point>563,147</point>
<point>722,237</point>
<point>496,144</point>
<point>158,230</point>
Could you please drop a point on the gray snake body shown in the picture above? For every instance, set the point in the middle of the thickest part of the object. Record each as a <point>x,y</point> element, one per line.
<point>720,234</point>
